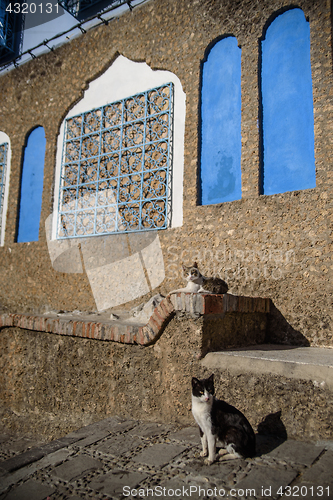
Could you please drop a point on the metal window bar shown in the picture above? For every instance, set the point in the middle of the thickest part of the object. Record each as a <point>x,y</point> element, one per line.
<point>11,33</point>
<point>3,167</point>
<point>76,7</point>
<point>97,21</point>
<point>116,166</point>
<point>6,28</point>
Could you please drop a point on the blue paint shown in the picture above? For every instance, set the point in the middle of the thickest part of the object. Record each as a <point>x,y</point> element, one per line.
<point>221,124</point>
<point>288,124</point>
<point>32,187</point>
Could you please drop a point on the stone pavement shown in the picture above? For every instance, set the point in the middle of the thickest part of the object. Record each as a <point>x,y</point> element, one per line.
<point>119,459</point>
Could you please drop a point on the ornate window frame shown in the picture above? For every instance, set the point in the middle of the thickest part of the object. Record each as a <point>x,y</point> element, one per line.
<point>5,156</point>
<point>116,167</point>
<point>123,80</point>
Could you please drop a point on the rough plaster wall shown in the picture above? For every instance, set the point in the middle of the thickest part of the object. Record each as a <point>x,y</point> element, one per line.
<point>278,246</point>
<point>50,385</point>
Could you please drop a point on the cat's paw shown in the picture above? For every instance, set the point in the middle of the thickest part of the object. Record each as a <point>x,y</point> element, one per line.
<point>229,456</point>
<point>203,453</point>
<point>209,461</point>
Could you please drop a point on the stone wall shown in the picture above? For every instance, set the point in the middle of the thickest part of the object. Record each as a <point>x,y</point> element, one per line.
<point>276,246</point>
<point>51,384</point>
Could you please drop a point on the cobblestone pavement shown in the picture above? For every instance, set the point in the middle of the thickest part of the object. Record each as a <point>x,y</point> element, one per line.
<point>120,459</point>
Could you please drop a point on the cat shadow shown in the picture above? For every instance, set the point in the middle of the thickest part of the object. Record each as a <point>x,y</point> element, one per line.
<point>271,434</point>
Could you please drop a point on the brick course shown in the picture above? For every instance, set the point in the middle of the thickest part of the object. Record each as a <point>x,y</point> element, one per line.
<point>124,333</point>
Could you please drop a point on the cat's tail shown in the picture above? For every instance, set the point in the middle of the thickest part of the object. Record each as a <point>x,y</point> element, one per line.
<point>241,441</point>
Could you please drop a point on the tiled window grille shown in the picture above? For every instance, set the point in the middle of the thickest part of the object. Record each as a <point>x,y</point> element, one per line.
<point>3,164</point>
<point>116,166</point>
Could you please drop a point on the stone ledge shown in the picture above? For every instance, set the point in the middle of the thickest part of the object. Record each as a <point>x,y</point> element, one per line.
<point>131,333</point>
<point>305,363</point>
<point>218,304</point>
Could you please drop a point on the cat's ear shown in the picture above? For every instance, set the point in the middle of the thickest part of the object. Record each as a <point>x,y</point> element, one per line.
<point>211,378</point>
<point>195,382</point>
<point>195,265</point>
<point>185,269</point>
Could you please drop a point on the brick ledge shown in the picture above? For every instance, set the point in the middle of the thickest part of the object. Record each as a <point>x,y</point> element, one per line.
<point>191,303</point>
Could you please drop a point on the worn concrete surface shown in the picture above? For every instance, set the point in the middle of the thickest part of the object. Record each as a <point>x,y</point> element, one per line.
<point>118,458</point>
<point>307,363</point>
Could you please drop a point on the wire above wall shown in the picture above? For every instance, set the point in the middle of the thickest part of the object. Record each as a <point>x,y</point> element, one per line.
<point>77,29</point>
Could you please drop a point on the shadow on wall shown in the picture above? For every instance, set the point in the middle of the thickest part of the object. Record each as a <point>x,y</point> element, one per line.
<point>234,330</point>
<point>271,433</point>
<point>279,331</point>
<point>120,267</point>
<point>272,424</point>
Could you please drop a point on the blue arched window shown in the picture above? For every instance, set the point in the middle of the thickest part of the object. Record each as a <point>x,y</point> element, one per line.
<point>32,186</point>
<point>287,105</point>
<point>221,123</point>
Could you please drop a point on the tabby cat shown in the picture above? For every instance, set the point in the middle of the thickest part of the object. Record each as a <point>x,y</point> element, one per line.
<point>197,283</point>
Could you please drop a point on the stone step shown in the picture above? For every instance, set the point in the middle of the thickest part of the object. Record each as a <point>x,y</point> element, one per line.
<point>305,363</point>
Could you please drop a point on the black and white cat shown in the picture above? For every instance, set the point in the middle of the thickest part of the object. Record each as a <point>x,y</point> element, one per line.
<point>219,420</point>
<point>197,283</point>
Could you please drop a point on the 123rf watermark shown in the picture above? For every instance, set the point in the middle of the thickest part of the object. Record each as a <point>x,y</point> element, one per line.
<point>193,490</point>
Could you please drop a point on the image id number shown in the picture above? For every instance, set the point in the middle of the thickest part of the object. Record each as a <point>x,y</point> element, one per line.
<point>304,491</point>
<point>32,8</point>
